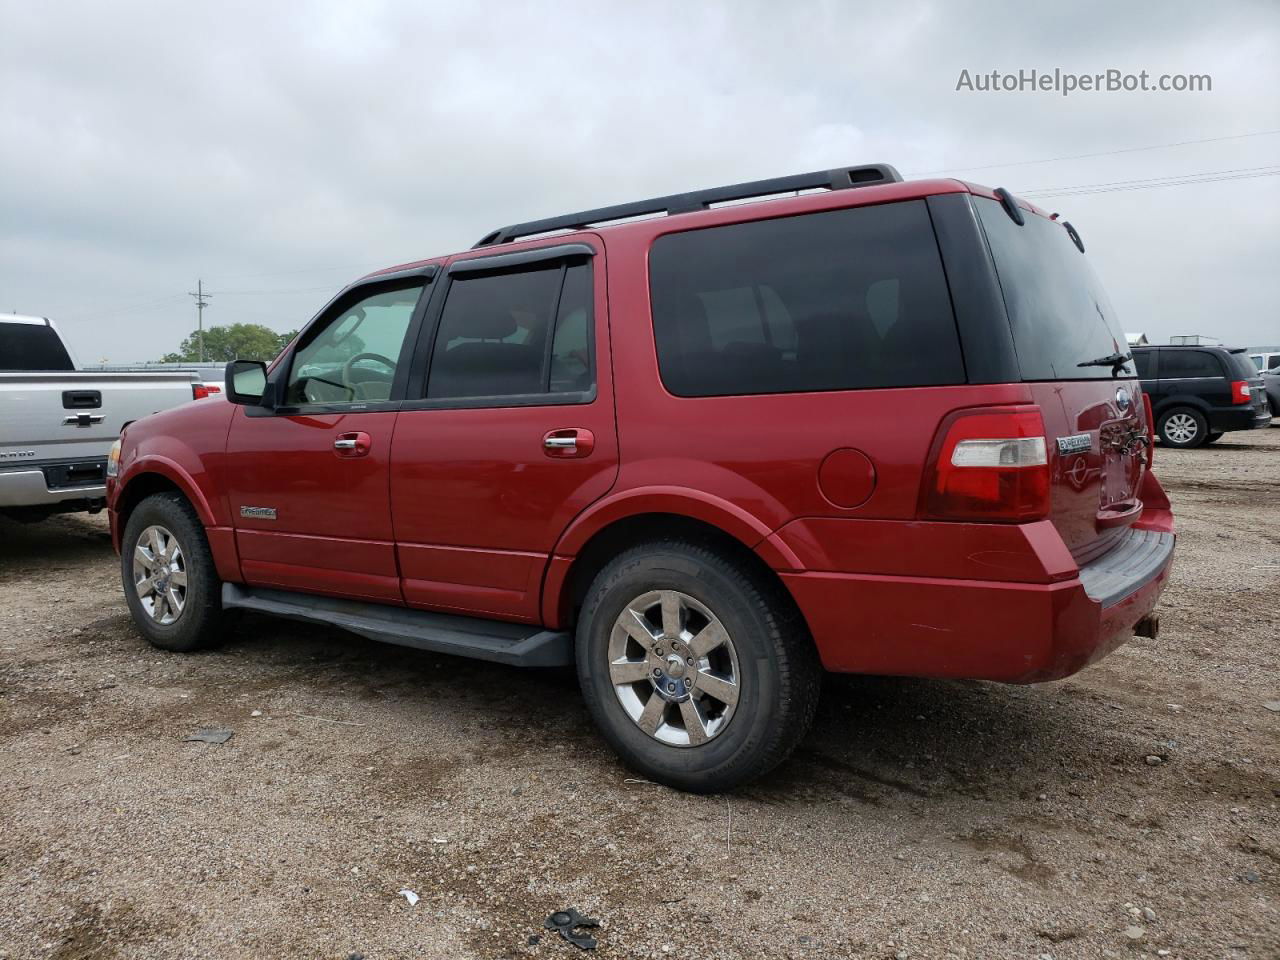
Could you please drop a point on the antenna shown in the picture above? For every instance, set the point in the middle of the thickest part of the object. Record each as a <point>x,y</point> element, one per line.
<point>201,299</point>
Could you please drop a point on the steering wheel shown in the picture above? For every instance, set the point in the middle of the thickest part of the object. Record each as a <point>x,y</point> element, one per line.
<point>347,368</point>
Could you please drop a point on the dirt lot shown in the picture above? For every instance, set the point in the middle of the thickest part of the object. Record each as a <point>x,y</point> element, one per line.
<point>1132,810</point>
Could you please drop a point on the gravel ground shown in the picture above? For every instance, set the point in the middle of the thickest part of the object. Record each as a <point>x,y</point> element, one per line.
<point>1129,811</point>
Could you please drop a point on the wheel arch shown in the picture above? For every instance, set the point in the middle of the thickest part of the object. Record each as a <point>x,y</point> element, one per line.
<point>1168,404</point>
<point>569,577</point>
<point>158,476</point>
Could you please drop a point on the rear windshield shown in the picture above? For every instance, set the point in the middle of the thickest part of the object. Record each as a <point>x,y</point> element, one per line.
<point>838,300</point>
<point>31,346</point>
<point>1060,315</point>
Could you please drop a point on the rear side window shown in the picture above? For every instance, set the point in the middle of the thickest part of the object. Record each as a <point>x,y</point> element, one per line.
<point>514,333</point>
<point>1142,360</point>
<point>1059,314</point>
<point>1185,364</point>
<point>839,300</point>
<point>32,346</point>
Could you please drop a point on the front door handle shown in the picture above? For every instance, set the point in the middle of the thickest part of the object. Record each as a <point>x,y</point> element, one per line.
<point>572,443</point>
<point>353,444</point>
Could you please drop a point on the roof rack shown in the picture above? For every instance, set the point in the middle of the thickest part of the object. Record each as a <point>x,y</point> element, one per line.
<point>845,178</point>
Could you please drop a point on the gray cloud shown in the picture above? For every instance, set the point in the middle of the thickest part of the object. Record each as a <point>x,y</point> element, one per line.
<point>279,152</point>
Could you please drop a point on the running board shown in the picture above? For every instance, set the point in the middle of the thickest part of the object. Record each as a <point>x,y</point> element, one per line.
<point>518,644</point>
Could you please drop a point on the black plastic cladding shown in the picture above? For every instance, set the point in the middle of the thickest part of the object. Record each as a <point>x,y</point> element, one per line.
<point>845,178</point>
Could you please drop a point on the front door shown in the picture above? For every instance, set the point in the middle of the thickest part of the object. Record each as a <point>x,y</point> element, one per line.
<point>507,431</point>
<point>308,479</point>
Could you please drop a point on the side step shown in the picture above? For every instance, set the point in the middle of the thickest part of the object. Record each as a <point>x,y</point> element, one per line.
<point>517,644</point>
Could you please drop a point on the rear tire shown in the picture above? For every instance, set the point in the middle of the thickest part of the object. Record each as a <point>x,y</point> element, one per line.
<point>169,581</point>
<point>738,671</point>
<point>1183,427</point>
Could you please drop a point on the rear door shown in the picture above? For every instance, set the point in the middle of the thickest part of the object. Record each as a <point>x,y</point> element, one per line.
<point>1195,373</point>
<point>507,432</point>
<point>1064,330</point>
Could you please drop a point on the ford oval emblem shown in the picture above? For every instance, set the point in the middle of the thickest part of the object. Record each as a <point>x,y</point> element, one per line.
<point>1122,398</point>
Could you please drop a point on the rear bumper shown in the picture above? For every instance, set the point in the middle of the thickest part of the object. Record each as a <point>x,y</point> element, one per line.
<point>46,485</point>
<point>1238,418</point>
<point>1012,632</point>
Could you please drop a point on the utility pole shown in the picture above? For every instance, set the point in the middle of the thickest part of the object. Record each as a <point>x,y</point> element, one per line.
<point>201,299</point>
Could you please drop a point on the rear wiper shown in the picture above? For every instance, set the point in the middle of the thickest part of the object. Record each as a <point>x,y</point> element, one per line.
<point>1115,361</point>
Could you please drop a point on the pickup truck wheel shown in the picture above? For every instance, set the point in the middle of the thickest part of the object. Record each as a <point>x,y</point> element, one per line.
<point>700,675</point>
<point>1183,427</point>
<point>168,573</point>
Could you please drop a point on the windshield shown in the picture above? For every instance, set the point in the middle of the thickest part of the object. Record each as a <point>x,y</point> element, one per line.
<point>1060,315</point>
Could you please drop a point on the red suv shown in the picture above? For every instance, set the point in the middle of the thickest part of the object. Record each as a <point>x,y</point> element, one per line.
<point>702,450</point>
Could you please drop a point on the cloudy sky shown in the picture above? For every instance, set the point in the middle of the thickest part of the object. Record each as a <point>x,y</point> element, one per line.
<point>279,150</point>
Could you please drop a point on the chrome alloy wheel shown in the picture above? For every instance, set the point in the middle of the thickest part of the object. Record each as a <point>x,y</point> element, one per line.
<point>160,574</point>
<point>674,668</point>
<point>1181,428</point>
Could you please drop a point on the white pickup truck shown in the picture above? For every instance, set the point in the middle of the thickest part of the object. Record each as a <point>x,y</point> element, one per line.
<point>57,422</point>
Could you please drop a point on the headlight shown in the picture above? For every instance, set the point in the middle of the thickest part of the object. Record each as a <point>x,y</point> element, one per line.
<point>113,459</point>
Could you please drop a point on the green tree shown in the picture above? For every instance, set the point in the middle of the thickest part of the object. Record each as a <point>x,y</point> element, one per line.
<point>239,341</point>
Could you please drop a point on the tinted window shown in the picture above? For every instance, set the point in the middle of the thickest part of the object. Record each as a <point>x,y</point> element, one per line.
<point>1176,364</point>
<point>353,355</point>
<point>1243,366</point>
<point>1142,360</point>
<point>31,346</point>
<point>571,349</point>
<point>493,335</point>
<point>1059,313</point>
<point>828,301</point>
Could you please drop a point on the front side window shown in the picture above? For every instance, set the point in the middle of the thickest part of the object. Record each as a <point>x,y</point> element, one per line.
<point>838,300</point>
<point>354,356</point>
<point>514,333</point>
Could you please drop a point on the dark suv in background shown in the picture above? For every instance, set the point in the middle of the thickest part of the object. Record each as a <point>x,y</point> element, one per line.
<point>1199,393</point>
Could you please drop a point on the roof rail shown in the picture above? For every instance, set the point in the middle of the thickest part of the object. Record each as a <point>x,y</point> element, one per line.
<point>845,178</point>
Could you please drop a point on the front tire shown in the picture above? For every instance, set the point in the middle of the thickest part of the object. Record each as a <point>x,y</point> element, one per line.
<point>700,674</point>
<point>169,581</point>
<point>1183,427</point>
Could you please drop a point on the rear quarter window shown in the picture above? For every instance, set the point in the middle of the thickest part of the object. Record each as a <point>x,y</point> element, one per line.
<point>1188,364</point>
<point>838,300</point>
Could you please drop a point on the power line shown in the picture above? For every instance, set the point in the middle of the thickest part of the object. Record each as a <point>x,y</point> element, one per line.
<point>1101,153</point>
<point>1120,186</point>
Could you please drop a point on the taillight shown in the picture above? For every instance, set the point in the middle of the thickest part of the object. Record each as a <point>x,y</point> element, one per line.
<point>990,464</point>
<point>1151,430</point>
<point>199,391</point>
<point>1240,392</point>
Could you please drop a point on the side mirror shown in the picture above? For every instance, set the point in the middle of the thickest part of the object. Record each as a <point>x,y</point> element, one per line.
<point>246,382</point>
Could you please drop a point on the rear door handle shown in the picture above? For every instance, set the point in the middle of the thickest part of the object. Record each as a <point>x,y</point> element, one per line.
<point>353,444</point>
<point>572,443</point>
